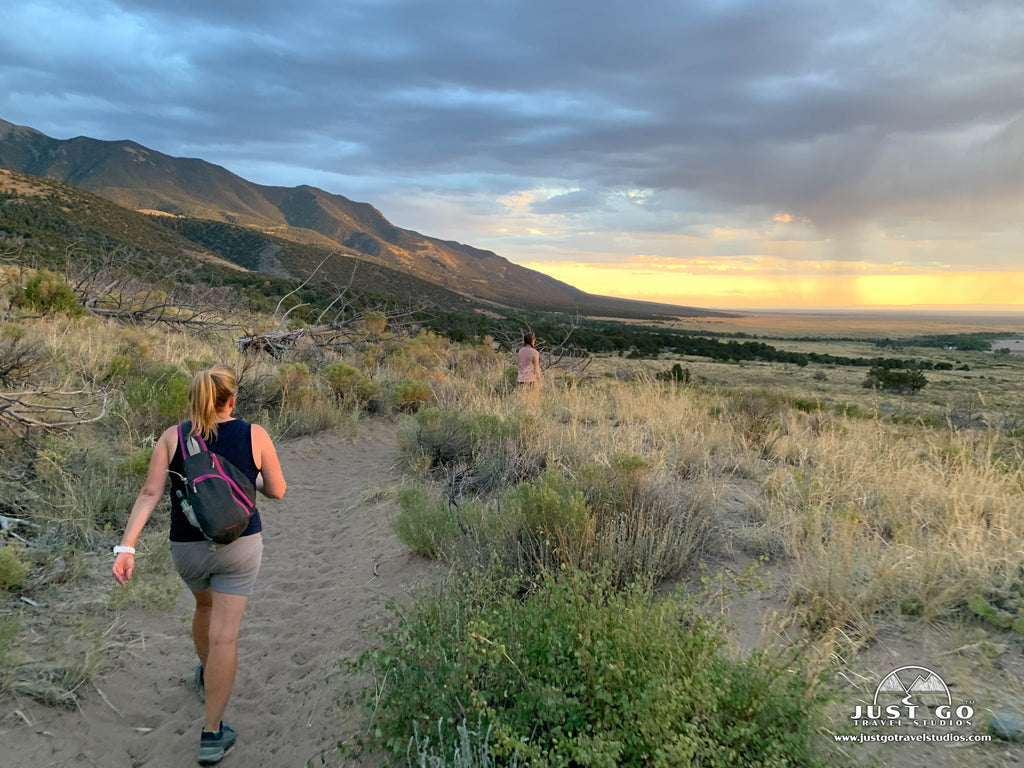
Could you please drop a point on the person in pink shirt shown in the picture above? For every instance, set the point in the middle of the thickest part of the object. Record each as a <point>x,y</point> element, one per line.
<point>529,361</point>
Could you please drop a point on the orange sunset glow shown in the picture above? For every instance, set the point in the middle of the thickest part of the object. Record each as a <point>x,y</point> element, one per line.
<point>724,285</point>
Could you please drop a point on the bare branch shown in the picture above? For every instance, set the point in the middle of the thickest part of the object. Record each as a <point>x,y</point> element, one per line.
<point>339,324</point>
<point>113,286</point>
<point>35,409</point>
<point>295,291</point>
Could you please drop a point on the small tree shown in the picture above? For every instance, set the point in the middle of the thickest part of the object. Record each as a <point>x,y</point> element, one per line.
<point>677,373</point>
<point>904,381</point>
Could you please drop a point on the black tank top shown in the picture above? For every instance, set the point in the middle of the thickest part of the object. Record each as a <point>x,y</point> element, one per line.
<point>234,443</point>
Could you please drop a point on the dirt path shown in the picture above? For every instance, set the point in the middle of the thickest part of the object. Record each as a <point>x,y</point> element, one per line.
<point>330,563</point>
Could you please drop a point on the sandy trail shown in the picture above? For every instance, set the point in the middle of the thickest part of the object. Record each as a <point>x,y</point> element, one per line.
<point>330,564</point>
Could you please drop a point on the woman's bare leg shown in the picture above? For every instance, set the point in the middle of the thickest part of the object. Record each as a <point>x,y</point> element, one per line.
<point>222,655</point>
<point>201,624</point>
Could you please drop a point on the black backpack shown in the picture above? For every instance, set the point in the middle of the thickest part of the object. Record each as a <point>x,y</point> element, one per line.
<point>219,499</point>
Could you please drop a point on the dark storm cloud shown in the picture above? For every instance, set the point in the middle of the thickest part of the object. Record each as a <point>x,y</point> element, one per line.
<point>835,112</point>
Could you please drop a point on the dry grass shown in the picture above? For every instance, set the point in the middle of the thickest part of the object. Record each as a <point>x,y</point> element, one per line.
<point>881,505</point>
<point>890,511</point>
<point>882,520</point>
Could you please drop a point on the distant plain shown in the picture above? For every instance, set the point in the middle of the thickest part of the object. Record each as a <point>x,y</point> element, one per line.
<point>991,393</point>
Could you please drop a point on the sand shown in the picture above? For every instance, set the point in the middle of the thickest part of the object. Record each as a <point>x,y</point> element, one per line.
<point>331,562</point>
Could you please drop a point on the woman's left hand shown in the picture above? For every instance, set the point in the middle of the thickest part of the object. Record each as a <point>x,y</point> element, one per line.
<point>124,564</point>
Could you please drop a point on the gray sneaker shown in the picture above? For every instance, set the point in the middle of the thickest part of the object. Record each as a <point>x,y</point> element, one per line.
<point>213,746</point>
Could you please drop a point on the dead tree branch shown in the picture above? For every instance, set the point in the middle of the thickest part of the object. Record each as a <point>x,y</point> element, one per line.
<point>113,286</point>
<point>56,409</point>
<point>279,319</point>
<point>343,322</point>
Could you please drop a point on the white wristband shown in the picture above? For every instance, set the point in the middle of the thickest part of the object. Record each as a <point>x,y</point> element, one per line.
<point>119,549</point>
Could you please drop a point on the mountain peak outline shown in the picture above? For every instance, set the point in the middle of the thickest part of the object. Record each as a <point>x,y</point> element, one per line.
<point>144,179</point>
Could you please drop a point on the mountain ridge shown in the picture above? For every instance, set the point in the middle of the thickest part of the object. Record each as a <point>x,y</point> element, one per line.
<point>140,178</point>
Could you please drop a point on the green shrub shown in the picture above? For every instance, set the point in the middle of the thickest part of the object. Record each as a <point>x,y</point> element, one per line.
<point>676,373</point>
<point>123,365</point>
<point>48,291</point>
<point>807,404</point>
<point>13,569</point>
<point>440,435</point>
<point>137,463</point>
<point>79,487</point>
<point>851,410</point>
<point>646,524</point>
<point>155,396</point>
<point>540,524</point>
<point>483,449</point>
<point>426,523</point>
<point>12,331</point>
<point>375,323</point>
<point>293,380</point>
<point>552,505</point>
<point>904,381</point>
<point>508,378</point>
<point>636,523</point>
<point>570,671</point>
<point>411,394</point>
<point>348,382</point>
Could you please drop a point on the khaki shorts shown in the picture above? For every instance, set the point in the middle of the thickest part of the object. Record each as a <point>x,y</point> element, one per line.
<point>230,569</point>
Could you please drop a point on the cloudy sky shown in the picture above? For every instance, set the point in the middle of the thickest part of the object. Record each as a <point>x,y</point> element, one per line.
<point>724,153</point>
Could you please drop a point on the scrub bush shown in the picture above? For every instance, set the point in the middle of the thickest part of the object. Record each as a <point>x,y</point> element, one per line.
<point>647,523</point>
<point>547,522</point>
<point>293,381</point>
<point>425,523</point>
<point>48,291</point>
<point>348,383</point>
<point>636,522</point>
<point>483,451</point>
<point>13,569</point>
<point>81,486</point>
<point>21,360</point>
<point>568,670</point>
<point>155,396</point>
<point>411,394</point>
<point>375,323</point>
<point>908,382</point>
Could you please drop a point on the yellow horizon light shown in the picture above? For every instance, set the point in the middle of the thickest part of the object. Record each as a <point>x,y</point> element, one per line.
<point>689,285</point>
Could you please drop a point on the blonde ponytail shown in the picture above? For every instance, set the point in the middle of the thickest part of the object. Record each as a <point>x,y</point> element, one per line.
<point>207,395</point>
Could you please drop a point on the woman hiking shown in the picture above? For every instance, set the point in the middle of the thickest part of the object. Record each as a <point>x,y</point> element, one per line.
<point>220,576</point>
